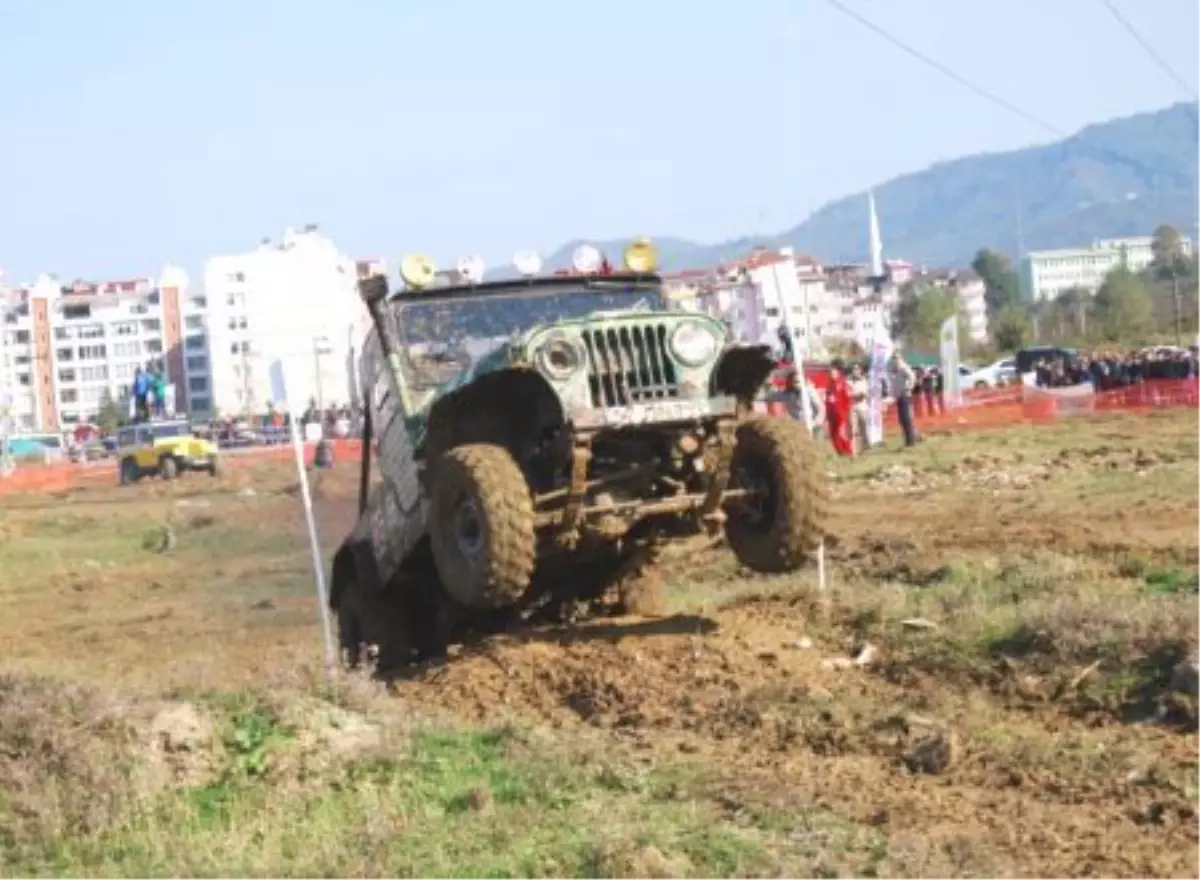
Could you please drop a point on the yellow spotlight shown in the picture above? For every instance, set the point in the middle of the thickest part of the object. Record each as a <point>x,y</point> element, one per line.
<point>640,257</point>
<point>417,271</point>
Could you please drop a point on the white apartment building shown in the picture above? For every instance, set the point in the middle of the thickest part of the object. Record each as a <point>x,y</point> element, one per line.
<point>294,301</point>
<point>1046,274</point>
<point>66,348</point>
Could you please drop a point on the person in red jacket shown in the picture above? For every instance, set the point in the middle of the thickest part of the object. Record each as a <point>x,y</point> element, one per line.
<point>838,407</point>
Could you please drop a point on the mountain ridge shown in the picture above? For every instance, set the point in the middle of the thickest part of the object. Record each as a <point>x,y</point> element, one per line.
<point>1118,177</point>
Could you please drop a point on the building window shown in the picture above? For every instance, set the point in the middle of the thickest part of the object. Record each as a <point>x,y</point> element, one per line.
<point>125,328</point>
<point>194,322</point>
<point>23,379</point>
<point>200,404</point>
<point>66,375</point>
<point>92,352</point>
<point>197,384</point>
<point>195,343</point>
<point>65,354</point>
<point>68,395</point>
<point>124,371</point>
<point>152,297</point>
<point>92,374</point>
<point>73,312</point>
<point>92,331</point>
<point>240,348</point>
<point>198,302</point>
<point>197,363</point>
<point>152,325</point>
<point>154,346</point>
<point>127,349</point>
<point>22,337</point>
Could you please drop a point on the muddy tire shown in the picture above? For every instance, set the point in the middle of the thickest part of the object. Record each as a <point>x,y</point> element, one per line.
<point>168,467</point>
<point>780,528</point>
<point>481,527</point>
<point>129,471</point>
<point>373,628</point>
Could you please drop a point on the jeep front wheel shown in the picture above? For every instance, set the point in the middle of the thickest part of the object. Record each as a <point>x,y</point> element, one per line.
<point>481,526</point>
<point>780,523</point>
<point>168,467</point>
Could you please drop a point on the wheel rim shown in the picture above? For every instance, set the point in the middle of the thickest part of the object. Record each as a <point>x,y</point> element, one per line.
<point>757,508</point>
<point>467,529</point>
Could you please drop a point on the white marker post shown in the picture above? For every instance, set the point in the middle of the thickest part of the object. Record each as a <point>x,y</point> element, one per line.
<point>806,405</point>
<point>279,391</point>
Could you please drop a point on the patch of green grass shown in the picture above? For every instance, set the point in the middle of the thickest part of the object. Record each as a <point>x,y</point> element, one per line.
<point>1171,582</point>
<point>458,803</point>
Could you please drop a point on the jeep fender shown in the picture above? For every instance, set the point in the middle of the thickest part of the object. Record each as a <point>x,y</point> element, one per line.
<point>506,408</point>
<point>742,370</point>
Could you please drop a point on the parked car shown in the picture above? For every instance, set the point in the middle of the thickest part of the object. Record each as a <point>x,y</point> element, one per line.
<point>995,375</point>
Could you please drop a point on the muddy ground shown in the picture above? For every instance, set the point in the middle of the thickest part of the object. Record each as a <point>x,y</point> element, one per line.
<point>994,681</point>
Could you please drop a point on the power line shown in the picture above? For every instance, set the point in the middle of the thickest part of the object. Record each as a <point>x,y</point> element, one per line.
<point>987,95</point>
<point>946,71</point>
<point>1148,49</point>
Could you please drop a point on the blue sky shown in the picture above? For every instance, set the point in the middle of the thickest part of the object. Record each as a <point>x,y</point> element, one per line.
<point>137,133</point>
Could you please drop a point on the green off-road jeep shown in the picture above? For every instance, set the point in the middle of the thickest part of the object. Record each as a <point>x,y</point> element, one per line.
<point>540,437</point>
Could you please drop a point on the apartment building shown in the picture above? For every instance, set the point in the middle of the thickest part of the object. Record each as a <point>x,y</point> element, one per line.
<point>295,301</point>
<point>68,348</point>
<point>1046,274</point>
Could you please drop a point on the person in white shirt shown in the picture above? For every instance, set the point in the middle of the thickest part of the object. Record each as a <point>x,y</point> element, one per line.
<point>858,399</point>
<point>900,382</point>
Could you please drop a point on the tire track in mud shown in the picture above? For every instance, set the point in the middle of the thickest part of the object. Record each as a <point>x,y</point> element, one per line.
<point>781,730</point>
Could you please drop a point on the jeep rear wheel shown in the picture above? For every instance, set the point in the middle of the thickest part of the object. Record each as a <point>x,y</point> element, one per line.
<point>481,526</point>
<point>777,527</point>
<point>129,471</point>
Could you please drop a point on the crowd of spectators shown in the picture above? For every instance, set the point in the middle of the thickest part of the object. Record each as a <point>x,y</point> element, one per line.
<point>1116,369</point>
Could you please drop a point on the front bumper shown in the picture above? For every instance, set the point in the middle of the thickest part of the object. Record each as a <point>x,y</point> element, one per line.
<point>199,464</point>
<point>654,412</point>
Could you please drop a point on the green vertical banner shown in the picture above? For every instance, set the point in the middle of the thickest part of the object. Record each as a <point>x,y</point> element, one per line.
<point>948,349</point>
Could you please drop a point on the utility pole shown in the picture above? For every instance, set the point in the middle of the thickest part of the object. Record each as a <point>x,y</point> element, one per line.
<point>1178,307</point>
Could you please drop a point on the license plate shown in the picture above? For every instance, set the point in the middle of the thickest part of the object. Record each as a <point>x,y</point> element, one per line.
<point>656,411</point>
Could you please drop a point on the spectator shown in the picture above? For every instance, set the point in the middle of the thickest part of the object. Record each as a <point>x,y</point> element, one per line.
<point>859,389</point>
<point>837,410</point>
<point>141,390</point>
<point>900,379</point>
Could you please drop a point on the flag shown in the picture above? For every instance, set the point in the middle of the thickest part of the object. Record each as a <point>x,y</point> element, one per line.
<point>948,349</point>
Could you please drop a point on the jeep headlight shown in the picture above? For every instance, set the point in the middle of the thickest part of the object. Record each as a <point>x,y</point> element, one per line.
<point>693,343</point>
<point>559,358</point>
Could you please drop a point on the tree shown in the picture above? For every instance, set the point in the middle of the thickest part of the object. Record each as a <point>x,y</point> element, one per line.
<point>1123,307</point>
<point>1068,314</point>
<point>1010,328</point>
<point>1169,259</point>
<point>919,315</point>
<point>1000,280</point>
<point>1172,277</point>
<point>111,414</point>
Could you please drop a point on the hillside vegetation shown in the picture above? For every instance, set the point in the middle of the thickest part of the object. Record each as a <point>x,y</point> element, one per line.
<point>1116,178</point>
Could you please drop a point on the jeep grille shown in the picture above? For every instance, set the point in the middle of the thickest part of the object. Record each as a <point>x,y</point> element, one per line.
<point>629,365</point>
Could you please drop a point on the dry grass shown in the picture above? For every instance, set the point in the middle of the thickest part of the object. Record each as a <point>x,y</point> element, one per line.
<point>163,712</point>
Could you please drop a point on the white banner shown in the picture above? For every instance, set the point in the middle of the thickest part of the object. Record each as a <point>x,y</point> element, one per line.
<point>951,381</point>
<point>1072,400</point>
<point>879,356</point>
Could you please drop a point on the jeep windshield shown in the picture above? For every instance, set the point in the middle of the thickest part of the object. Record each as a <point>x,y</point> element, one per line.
<point>442,338</point>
